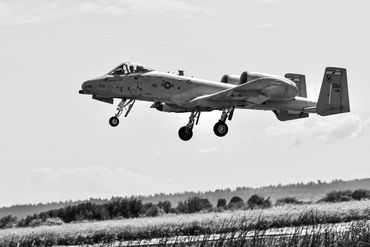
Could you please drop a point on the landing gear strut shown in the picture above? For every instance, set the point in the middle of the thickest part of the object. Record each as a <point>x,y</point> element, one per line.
<point>220,127</point>
<point>114,121</point>
<point>186,132</point>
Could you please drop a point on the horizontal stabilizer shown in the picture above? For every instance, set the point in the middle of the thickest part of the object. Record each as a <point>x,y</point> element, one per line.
<point>300,82</point>
<point>333,98</point>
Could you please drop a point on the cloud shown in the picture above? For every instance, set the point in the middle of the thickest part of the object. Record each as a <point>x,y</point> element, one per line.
<point>19,12</point>
<point>36,11</point>
<point>324,129</point>
<point>80,183</point>
<point>158,7</point>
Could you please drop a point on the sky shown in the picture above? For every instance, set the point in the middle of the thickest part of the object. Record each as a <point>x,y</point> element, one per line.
<point>57,145</point>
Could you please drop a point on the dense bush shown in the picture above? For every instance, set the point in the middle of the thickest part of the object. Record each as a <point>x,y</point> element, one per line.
<point>194,204</point>
<point>361,194</point>
<point>346,195</point>
<point>256,201</point>
<point>8,222</point>
<point>236,202</point>
<point>182,207</point>
<point>221,203</point>
<point>288,200</point>
<point>145,207</point>
<point>152,211</point>
<point>337,196</point>
<point>165,206</point>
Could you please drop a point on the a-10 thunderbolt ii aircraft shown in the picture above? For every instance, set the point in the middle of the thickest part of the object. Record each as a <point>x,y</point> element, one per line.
<point>284,96</point>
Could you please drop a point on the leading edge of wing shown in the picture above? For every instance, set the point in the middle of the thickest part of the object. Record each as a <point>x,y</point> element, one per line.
<point>245,94</point>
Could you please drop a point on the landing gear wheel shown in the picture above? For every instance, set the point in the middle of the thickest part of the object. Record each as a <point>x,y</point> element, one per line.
<point>220,129</point>
<point>113,121</point>
<point>185,133</point>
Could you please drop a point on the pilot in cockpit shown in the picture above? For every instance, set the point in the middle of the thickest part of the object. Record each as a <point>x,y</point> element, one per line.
<point>118,71</point>
<point>139,69</point>
<point>132,69</point>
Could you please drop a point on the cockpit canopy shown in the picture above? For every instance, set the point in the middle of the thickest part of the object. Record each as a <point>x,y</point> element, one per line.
<point>130,68</point>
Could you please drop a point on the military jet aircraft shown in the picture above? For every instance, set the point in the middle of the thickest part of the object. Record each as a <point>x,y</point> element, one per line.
<point>285,96</point>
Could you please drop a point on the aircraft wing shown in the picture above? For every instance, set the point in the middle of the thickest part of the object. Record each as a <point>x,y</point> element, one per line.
<point>250,93</point>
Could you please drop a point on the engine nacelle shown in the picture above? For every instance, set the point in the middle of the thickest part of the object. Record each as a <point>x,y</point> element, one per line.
<point>250,76</point>
<point>169,108</point>
<point>231,79</point>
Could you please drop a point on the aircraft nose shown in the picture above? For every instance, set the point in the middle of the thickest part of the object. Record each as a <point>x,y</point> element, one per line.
<point>86,87</point>
<point>91,86</point>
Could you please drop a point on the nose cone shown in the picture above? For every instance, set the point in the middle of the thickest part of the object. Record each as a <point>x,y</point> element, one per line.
<point>90,86</point>
<point>85,87</point>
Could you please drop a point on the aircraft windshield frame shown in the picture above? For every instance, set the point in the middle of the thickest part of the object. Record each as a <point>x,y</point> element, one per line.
<point>130,68</point>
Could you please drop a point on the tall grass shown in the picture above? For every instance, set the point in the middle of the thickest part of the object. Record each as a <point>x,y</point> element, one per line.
<point>168,226</point>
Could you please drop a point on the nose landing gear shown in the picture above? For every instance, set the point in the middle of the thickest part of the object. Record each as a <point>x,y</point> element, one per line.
<point>220,128</point>
<point>114,121</point>
<point>186,132</point>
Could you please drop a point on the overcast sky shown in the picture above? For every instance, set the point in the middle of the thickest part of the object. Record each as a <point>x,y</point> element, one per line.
<point>56,144</point>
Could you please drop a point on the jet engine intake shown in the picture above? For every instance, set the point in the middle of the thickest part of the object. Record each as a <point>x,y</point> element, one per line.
<point>250,76</point>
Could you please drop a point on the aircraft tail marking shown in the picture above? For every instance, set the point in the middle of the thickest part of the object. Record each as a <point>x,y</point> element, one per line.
<point>333,98</point>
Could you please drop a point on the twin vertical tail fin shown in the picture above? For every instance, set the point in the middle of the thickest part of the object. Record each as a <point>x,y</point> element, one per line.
<point>300,82</point>
<point>333,98</point>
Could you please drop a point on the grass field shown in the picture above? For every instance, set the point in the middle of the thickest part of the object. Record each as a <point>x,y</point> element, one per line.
<point>190,224</point>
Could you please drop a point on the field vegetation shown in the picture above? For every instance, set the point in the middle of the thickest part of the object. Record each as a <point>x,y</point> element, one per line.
<point>123,219</point>
<point>172,225</point>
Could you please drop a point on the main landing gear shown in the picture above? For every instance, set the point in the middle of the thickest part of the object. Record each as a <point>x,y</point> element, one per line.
<point>114,121</point>
<point>186,132</point>
<point>220,127</point>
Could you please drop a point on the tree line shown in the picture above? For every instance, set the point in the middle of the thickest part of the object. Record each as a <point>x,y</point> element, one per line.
<point>128,207</point>
<point>311,191</point>
<point>133,207</point>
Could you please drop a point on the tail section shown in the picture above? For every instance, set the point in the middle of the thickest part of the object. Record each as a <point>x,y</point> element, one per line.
<point>300,82</point>
<point>333,98</point>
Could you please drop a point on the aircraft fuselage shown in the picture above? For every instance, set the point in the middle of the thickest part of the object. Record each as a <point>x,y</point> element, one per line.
<point>173,89</point>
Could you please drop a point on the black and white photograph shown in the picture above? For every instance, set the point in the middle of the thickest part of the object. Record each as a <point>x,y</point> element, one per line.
<point>184,123</point>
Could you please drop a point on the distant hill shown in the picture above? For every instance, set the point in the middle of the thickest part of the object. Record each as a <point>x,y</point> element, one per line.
<point>311,191</point>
